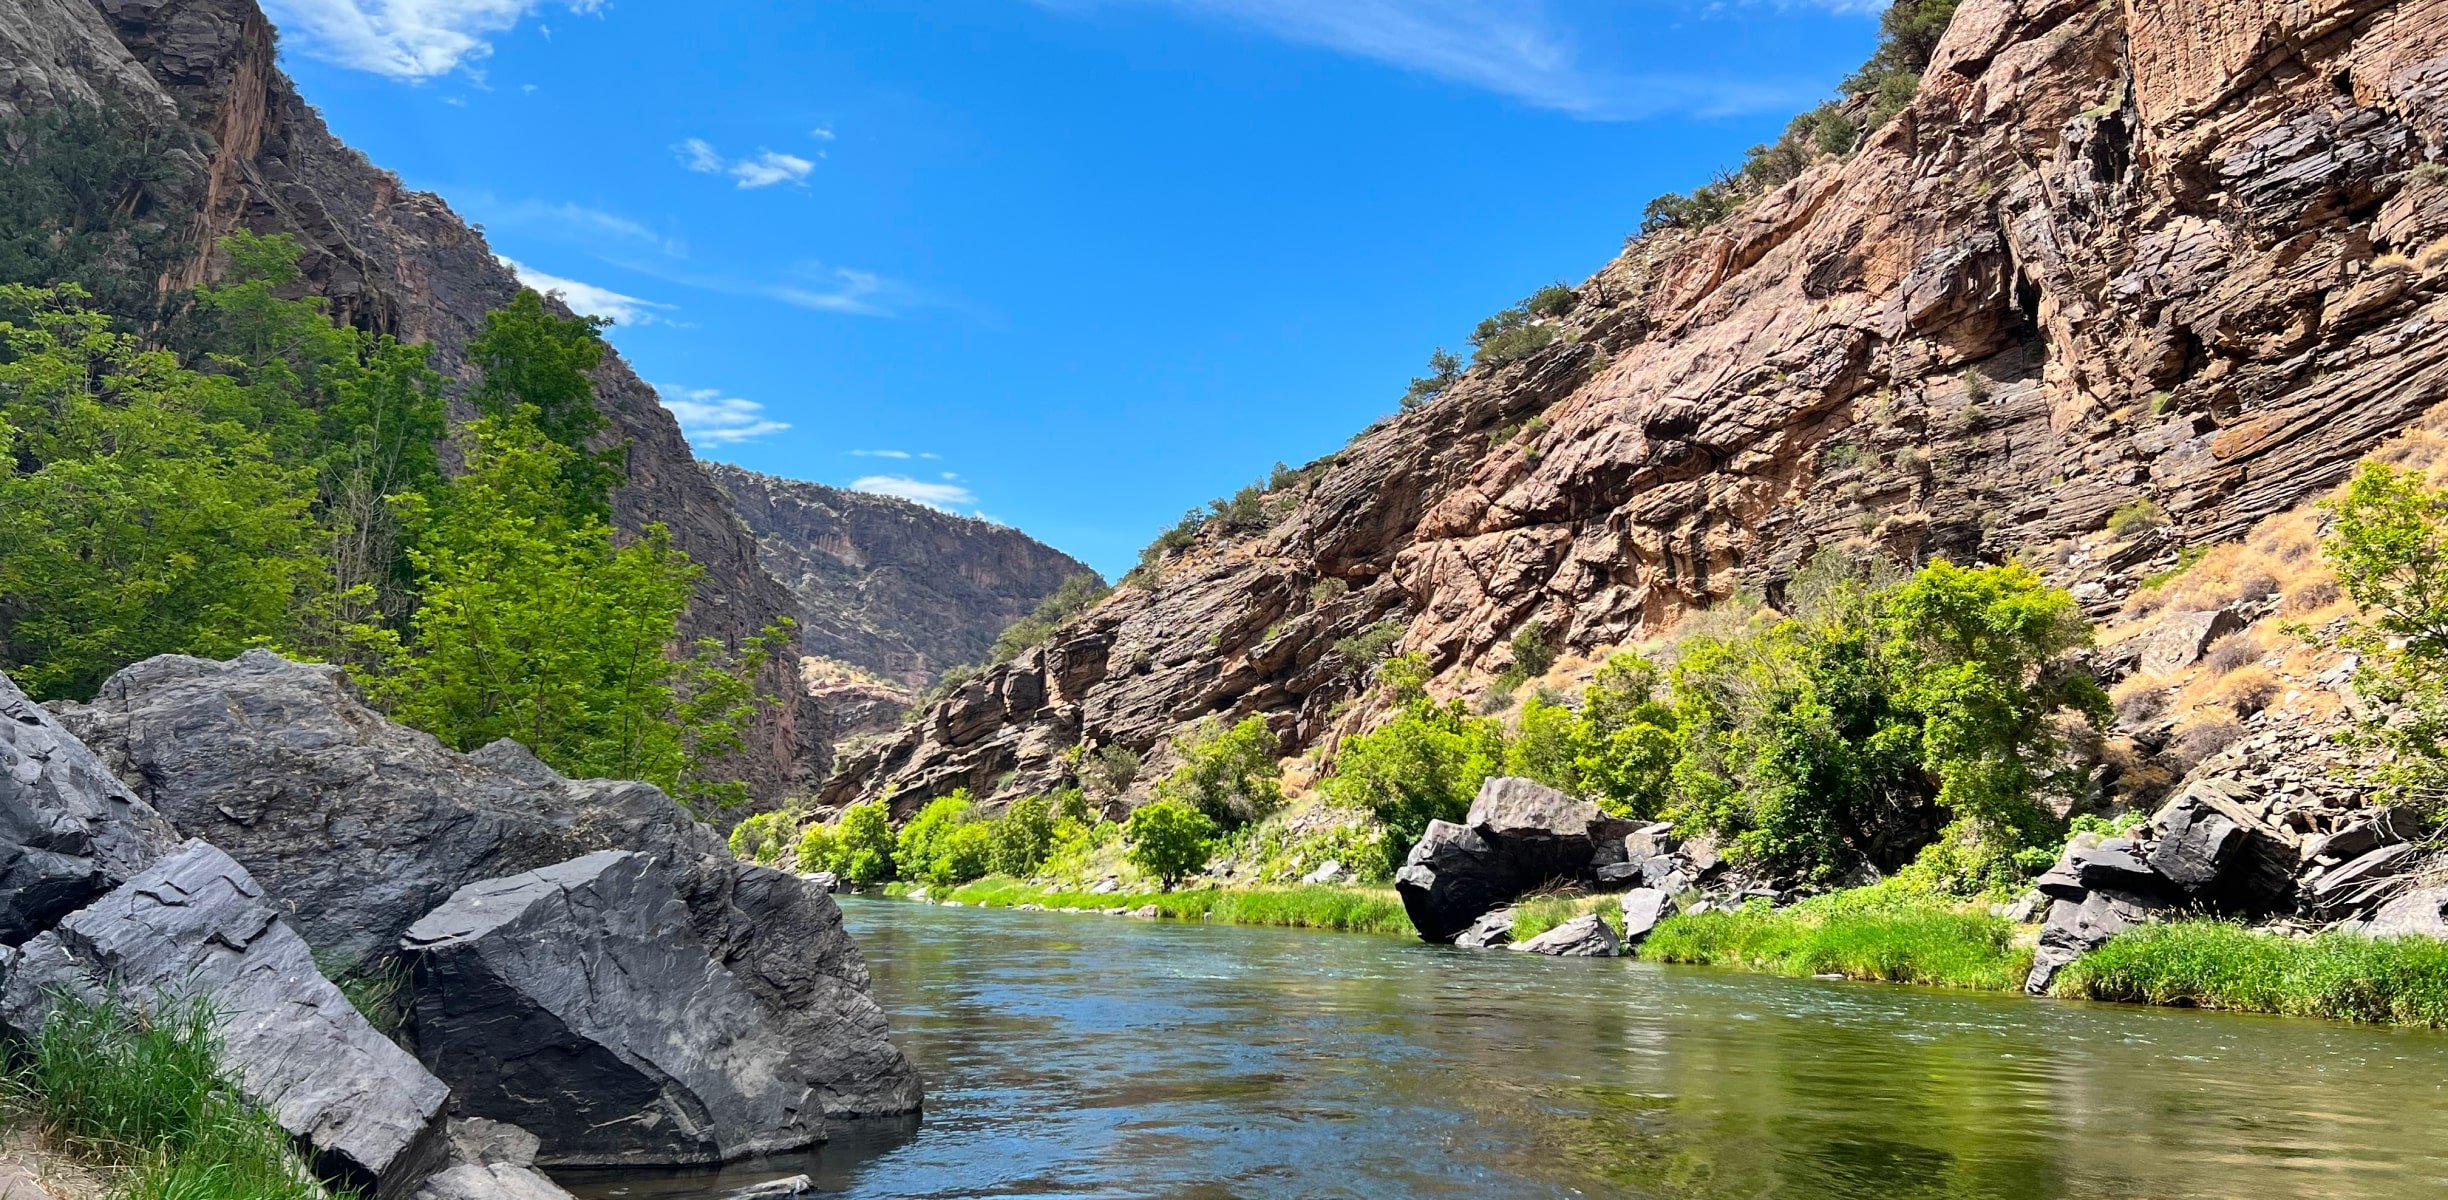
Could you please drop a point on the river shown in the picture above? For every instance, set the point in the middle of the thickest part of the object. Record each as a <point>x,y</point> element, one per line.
<point>1105,1057</point>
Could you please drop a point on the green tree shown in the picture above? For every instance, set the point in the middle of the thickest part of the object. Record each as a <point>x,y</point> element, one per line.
<point>923,837</point>
<point>534,625</point>
<point>1626,739</point>
<point>1075,595</point>
<point>94,197</point>
<point>1169,840</point>
<point>764,837</point>
<point>2386,545</point>
<point>819,849</point>
<point>140,514</point>
<point>1229,774</point>
<point>965,853</point>
<point>863,844</point>
<point>1426,764</point>
<point>1023,835</point>
<point>535,360</point>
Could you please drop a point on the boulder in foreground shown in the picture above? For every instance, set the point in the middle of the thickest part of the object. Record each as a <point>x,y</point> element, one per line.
<point>69,830</point>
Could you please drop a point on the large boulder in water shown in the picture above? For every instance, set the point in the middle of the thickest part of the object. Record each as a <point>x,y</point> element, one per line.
<point>359,827</point>
<point>195,926</point>
<point>1585,936</point>
<point>579,1003</point>
<point>69,829</point>
<point>1451,878</point>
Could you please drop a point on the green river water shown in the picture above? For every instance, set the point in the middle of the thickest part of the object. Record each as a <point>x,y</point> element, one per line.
<point>1097,1056</point>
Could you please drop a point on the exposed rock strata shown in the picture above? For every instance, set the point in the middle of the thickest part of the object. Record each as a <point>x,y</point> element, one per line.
<point>69,829</point>
<point>895,587</point>
<point>2186,253</point>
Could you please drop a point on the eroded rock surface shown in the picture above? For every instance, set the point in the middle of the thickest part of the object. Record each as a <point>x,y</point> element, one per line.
<point>69,829</point>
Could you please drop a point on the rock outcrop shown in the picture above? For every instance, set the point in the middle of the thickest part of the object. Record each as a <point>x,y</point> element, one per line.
<point>2184,253</point>
<point>69,829</point>
<point>1518,835</point>
<point>1585,936</point>
<point>576,1002</point>
<point>195,926</point>
<point>897,588</point>
<point>358,828</point>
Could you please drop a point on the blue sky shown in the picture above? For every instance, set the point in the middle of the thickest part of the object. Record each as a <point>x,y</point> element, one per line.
<point>1071,265</point>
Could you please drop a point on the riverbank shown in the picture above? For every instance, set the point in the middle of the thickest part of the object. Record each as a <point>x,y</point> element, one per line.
<point>1875,935</point>
<point>1349,909</point>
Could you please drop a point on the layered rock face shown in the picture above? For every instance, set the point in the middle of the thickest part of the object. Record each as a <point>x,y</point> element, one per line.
<point>388,259</point>
<point>2186,253</point>
<point>898,588</point>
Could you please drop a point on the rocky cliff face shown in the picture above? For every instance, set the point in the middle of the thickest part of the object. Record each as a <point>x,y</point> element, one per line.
<point>897,588</point>
<point>2190,253</point>
<point>388,258</point>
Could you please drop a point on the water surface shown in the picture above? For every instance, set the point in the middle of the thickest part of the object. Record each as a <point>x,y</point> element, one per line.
<point>1099,1056</point>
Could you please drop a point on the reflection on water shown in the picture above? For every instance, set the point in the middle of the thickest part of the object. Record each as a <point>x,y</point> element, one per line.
<point>1089,1056</point>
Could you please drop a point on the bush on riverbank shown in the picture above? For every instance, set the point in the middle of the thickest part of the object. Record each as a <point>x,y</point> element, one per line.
<point>1345,909</point>
<point>1871,933</point>
<point>2212,964</point>
<point>143,1093</point>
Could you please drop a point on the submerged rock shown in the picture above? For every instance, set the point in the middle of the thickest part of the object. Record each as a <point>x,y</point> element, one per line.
<point>196,926</point>
<point>1492,929</point>
<point>1585,936</point>
<point>577,1003</point>
<point>69,829</point>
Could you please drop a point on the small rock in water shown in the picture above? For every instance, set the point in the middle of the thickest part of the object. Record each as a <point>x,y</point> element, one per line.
<point>1587,936</point>
<point>778,1189</point>
<point>918,893</point>
<point>1147,912</point>
<point>1489,931</point>
<point>954,904</point>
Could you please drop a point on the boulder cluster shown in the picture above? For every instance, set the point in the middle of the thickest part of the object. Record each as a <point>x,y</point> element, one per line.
<point>1460,880</point>
<point>589,978</point>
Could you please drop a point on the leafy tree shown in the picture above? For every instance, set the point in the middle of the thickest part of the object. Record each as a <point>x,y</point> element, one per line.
<point>1426,764</point>
<point>1229,774</point>
<point>140,514</point>
<point>1023,836</point>
<point>819,849</point>
<point>534,625</point>
<point>1169,840</point>
<point>966,853</point>
<point>863,844</point>
<point>2386,545</point>
<point>762,838</point>
<point>1444,370</point>
<point>1626,739</point>
<point>93,196</point>
<point>924,836</point>
<point>535,360</point>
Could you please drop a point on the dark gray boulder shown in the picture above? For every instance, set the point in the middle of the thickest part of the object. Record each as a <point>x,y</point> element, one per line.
<point>69,829</point>
<point>1585,936</point>
<point>359,827</point>
<point>2354,886</point>
<point>1538,833</point>
<point>1451,878</point>
<point>1643,908</point>
<point>2076,928</point>
<point>2114,863</point>
<point>1492,929</point>
<point>579,1003</point>
<point>2217,850</point>
<point>195,925</point>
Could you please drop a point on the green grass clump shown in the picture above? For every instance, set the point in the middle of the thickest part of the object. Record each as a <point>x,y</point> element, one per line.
<point>1538,914</point>
<point>1345,909</point>
<point>2212,964</point>
<point>143,1092</point>
<point>1926,942</point>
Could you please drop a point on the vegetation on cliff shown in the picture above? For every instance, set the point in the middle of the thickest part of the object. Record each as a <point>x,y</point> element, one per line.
<point>249,473</point>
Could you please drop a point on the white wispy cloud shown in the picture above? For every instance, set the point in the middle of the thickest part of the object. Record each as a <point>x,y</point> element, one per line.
<point>822,133</point>
<point>768,168</point>
<point>1511,47</point>
<point>709,418</point>
<point>404,39</point>
<point>946,496</point>
<point>842,290</point>
<point>587,298</point>
<point>895,454</point>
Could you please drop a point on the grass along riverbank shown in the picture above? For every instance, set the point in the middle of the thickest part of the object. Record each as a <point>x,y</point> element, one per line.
<point>1874,938</point>
<point>1344,909</point>
<point>2211,964</point>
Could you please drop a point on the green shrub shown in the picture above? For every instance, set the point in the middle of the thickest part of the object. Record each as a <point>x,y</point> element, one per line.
<point>1169,840</point>
<point>1075,595</point>
<point>2137,518</point>
<point>1553,301</point>
<point>762,838</point>
<point>1424,765</point>
<point>2210,964</point>
<point>1110,770</point>
<point>864,844</point>
<point>922,838</point>
<point>1277,855</point>
<point>2388,543</point>
<point>1444,370</point>
<point>1229,774</point>
<point>818,849</point>
<point>1023,836</point>
<point>1510,336</point>
<point>1365,649</point>
<point>1346,909</point>
<point>964,852</point>
<point>1178,538</point>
